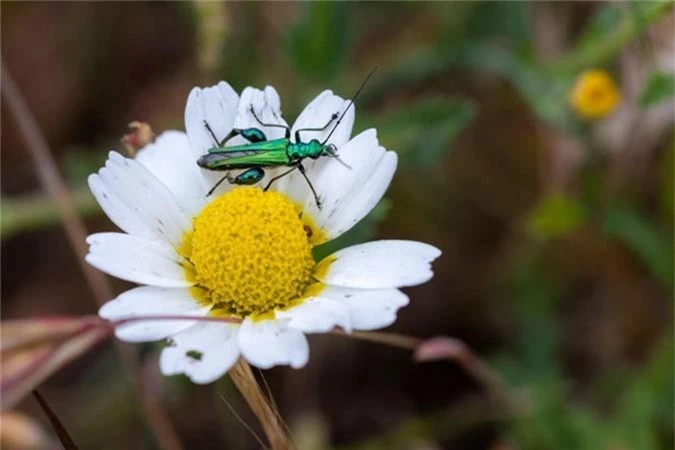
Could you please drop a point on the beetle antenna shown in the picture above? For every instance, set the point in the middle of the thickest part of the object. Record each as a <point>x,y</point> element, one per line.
<point>342,162</point>
<point>351,102</point>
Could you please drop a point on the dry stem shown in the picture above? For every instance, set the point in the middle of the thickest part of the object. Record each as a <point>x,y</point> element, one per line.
<point>269,417</point>
<point>454,350</point>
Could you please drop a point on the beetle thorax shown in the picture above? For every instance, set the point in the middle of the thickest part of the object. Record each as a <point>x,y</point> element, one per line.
<point>301,150</point>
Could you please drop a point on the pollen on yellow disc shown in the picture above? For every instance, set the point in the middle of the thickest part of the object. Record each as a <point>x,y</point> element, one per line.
<point>249,252</point>
<point>595,94</point>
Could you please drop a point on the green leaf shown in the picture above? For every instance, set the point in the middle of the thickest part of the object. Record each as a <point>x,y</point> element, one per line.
<point>317,44</point>
<point>555,216</point>
<point>652,245</point>
<point>645,410</point>
<point>660,88</point>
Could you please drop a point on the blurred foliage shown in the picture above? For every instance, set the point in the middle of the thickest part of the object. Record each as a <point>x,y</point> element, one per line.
<point>613,26</point>
<point>421,133</point>
<point>555,216</point>
<point>667,174</point>
<point>652,245</point>
<point>660,88</point>
<point>642,408</point>
<point>315,46</point>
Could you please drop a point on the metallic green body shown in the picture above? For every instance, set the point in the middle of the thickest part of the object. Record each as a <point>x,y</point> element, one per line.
<point>277,152</point>
<point>261,153</point>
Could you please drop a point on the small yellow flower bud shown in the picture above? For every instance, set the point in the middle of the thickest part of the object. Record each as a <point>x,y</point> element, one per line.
<point>595,94</point>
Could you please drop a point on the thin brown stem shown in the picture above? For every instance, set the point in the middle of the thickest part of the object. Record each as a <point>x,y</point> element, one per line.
<point>269,418</point>
<point>56,423</point>
<point>392,339</point>
<point>53,183</point>
<point>449,349</point>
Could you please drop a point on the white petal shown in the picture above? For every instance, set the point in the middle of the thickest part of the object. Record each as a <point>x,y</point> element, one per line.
<point>267,107</point>
<point>316,115</point>
<point>146,197</point>
<point>217,105</point>
<point>136,259</point>
<point>355,207</point>
<point>379,265</point>
<point>319,112</point>
<point>317,315</point>
<point>169,158</point>
<point>369,309</point>
<point>348,195</point>
<point>203,352</point>
<point>152,301</point>
<point>118,211</point>
<point>270,343</point>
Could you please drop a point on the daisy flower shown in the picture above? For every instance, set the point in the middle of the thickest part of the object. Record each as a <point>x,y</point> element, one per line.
<point>244,253</point>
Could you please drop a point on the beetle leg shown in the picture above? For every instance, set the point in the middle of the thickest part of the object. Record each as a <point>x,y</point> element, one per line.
<point>234,132</point>
<point>301,168</point>
<point>297,132</point>
<point>225,177</point>
<point>269,183</point>
<point>274,125</point>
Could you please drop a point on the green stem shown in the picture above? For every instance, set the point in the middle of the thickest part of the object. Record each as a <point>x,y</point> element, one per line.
<point>29,213</point>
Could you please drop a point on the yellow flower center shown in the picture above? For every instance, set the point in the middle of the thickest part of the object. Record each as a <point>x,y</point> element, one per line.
<point>595,94</point>
<point>249,253</point>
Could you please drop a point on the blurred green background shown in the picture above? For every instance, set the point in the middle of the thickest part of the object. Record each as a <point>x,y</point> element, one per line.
<point>557,233</point>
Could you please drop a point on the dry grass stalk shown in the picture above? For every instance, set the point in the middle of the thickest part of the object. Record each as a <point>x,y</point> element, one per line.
<point>267,414</point>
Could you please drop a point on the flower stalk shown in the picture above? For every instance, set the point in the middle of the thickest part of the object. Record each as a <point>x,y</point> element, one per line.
<point>267,414</point>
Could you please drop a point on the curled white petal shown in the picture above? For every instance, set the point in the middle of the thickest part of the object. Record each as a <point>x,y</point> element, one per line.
<point>136,259</point>
<point>358,206</point>
<point>203,352</point>
<point>151,301</point>
<point>379,265</point>
<point>269,343</point>
<point>369,309</point>
<point>317,315</point>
